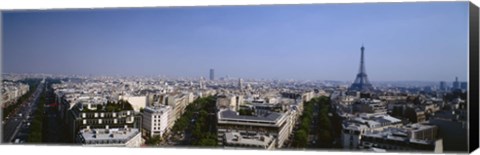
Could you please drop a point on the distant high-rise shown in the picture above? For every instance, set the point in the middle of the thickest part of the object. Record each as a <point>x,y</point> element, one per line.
<point>456,84</point>
<point>212,74</point>
<point>202,83</point>
<point>361,82</point>
<point>240,83</point>
<point>443,85</point>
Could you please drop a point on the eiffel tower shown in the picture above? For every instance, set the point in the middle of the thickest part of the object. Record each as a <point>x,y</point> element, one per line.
<point>361,81</point>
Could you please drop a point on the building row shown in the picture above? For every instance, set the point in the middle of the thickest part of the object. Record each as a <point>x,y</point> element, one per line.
<point>12,91</point>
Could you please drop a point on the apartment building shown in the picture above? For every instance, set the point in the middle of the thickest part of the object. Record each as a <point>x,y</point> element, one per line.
<point>118,137</point>
<point>155,120</point>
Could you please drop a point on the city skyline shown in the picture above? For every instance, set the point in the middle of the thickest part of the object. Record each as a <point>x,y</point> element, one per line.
<point>406,41</point>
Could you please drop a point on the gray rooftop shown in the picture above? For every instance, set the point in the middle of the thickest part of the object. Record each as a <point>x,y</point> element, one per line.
<point>91,136</point>
<point>229,114</point>
<point>397,134</point>
<point>157,109</point>
<point>257,140</point>
<point>368,121</point>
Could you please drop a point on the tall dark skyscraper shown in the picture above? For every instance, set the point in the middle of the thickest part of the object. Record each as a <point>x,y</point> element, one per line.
<point>361,82</point>
<point>212,74</point>
<point>456,84</point>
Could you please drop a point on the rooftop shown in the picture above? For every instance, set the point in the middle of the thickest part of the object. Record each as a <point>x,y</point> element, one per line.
<point>418,126</point>
<point>232,115</point>
<point>157,109</point>
<point>256,140</point>
<point>108,107</point>
<point>396,134</point>
<point>117,135</point>
<point>370,120</point>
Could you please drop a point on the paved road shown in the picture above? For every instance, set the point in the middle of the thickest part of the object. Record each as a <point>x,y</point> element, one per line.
<point>20,121</point>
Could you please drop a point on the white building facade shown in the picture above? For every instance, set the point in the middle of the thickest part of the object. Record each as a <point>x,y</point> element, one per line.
<point>156,120</point>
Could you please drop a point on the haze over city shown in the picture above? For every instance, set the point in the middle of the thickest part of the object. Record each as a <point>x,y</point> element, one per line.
<point>373,77</point>
<point>403,41</point>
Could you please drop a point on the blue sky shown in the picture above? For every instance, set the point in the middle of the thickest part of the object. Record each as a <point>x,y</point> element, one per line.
<point>403,41</point>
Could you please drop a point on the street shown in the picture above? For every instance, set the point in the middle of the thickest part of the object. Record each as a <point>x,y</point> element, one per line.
<point>16,127</point>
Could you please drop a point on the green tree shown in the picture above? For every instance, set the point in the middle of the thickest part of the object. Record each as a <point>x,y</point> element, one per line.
<point>152,141</point>
<point>37,123</point>
<point>301,139</point>
<point>207,142</point>
<point>325,138</point>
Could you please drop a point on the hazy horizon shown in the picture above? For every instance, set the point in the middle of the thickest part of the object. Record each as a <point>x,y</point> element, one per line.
<point>403,41</point>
